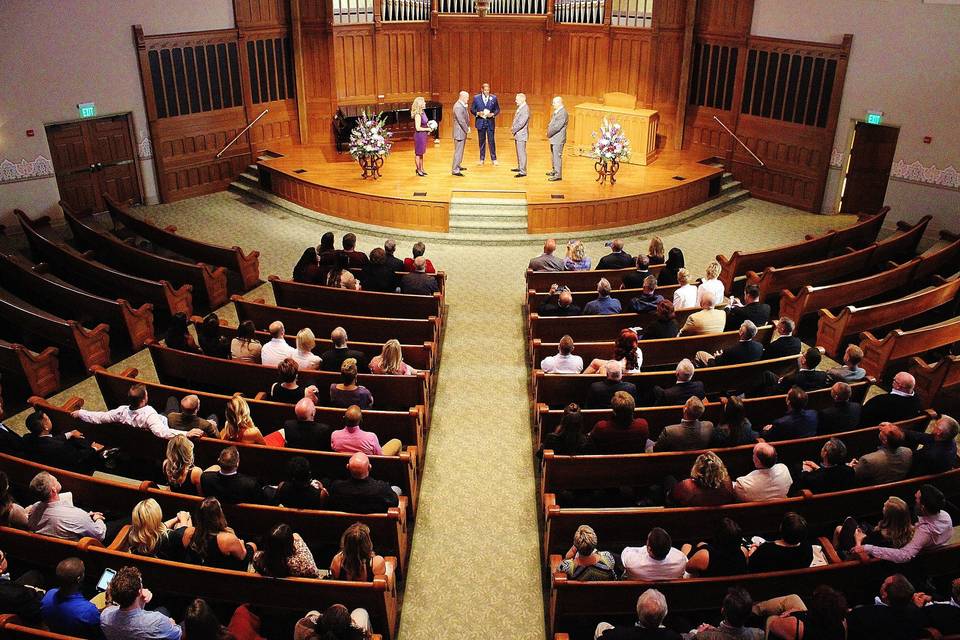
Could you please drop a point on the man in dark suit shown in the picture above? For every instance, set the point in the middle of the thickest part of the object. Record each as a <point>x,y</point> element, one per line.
<point>651,610</point>
<point>942,616</point>
<point>635,279</point>
<point>69,451</point>
<point>692,433</point>
<point>419,282</point>
<point>559,305</point>
<point>333,358</point>
<point>649,299</point>
<point>843,415</point>
<point>485,108</point>
<point>900,404</point>
<point>799,422</point>
<point>934,452</point>
<point>683,389</point>
<point>601,392</point>
<point>746,350</point>
<point>395,263</point>
<point>752,309</point>
<point>897,617</point>
<point>617,258</point>
<point>23,595</point>
<point>377,275</point>
<point>356,258</point>
<point>832,474</point>
<point>807,377</point>
<point>229,485</point>
<point>305,432</point>
<point>360,493</point>
<point>10,440</point>
<point>786,345</point>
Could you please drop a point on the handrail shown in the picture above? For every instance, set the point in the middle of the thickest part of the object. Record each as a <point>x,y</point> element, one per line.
<point>237,137</point>
<point>739,140</point>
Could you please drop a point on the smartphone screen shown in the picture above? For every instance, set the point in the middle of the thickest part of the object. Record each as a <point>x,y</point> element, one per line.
<point>105,579</point>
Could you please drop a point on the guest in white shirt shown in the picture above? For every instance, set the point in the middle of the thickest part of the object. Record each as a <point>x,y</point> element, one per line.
<point>54,515</point>
<point>769,481</point>
<point>136,413</point>
<point>658,560</point>
<point>685,297</point>
<point>711,284</point>
<point>277,350</point>
<point>934,529</point>
<point>564,361</point>
<point>304,357</point>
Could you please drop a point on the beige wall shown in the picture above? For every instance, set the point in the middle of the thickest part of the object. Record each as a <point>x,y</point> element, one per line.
<point>57,53</point>
<point>905,61</point>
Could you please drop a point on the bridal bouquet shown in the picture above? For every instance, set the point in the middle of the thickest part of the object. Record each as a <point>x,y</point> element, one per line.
<point>370,137</point>
<point>610,143</point>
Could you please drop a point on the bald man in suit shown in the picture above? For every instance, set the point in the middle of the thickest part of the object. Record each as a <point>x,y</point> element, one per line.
<point>557,133</point>
<point>461,125</point>
<point>521,132</point>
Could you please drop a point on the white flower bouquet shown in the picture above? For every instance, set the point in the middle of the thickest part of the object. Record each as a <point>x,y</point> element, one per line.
<point>610,143</point>
<point>370,137</point>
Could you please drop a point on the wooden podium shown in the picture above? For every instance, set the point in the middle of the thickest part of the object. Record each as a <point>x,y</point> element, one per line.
<point>639,125</point>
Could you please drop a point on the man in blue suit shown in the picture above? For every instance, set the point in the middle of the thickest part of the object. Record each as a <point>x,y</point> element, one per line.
<point>486,108</point>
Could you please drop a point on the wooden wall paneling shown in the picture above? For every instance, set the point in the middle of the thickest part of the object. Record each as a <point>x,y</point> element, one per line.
<point>318,81</point>
<point>267,64</point>
<point>669,54</point>
<point>354,64</point>
<point>403,61</point>
<point>724,17</point>
<point>629,65</point>
<point>253,14</point>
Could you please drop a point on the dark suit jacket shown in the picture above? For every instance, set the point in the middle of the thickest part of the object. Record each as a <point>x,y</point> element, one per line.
<point>307,435</point>
<point>756,312</point>
<point>477,106</point>
<point>332,359</point>
<point>20,600</point>
<point>601,392</point>
<point>933,456</point>
<point>796,424</point>
<point>871,622</point>
<point>681,392</point>
<point>634,279</point>
<point>231,489</point>
<point>394,263</point>
<point>636,633</point>
<point>361,496</point>
<point>658,330</point>
<point>944,618</point>
<point>686,436</point>
<point>74,454</point>
<point>782,346</point>
<point>842,416</point>
<point>807,379</point>
<point>378,277</point>
<point>357,258</point>
<point>552,309</point>
<point>419,284</point>
<point>889,407</point>
<point>620,260</point>
<point>825,480</point>
<point>743,351</point>
<point>10,440</point>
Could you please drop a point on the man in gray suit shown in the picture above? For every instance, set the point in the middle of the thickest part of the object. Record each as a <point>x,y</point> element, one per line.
<point>461,125</point>
<point>521,131</point>
<point>557,132</point>
<point>692,432</point>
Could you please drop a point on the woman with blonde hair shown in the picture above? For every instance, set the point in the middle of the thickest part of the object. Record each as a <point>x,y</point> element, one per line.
<point>238,426</point>
<point>390,361</point>
<point>356,560</point>
<point>708,485</point>
<point>304,355</point>
<point>584,561</point>
<point>655,250</point>
<point>894,530</point>
<point>685,297</point>
<point>347,392</point>
<point>183,476</point>
<point>150,535</point>
<point>711,284</point>
<point>421,132</point>
<point>576,259</point>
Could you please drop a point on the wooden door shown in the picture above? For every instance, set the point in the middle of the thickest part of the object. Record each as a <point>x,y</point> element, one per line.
<point>73,165</point>
<point>868,168</point>
<point>115,158</point>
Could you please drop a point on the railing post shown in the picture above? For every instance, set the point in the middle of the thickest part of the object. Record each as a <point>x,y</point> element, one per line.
<point>550,17</point>
<point>377,13</point>
<point>607,12</point>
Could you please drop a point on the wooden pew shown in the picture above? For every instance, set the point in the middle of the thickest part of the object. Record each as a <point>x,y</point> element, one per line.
<point>367,329</point>
<point>439,276</point>
<point>23,319</point>
<point>943,261</point>
<point>358,303</point>
<point>860,234</point>
<point>233,258</point>
<point>11,626</point>
<point>580,280</point>
<point>80,270</point>
<point>582,297</point>
<point>592,328</point>
<point>209,283</point>
<point>31,283</point>
<point>851,320</point>
<point>558,389</point>
<point>655,352</point>
<point>879,353</point>
<point>932,380</point>
<point>41,371</point>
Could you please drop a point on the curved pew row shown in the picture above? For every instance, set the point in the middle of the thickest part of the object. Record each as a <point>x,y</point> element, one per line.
<point>580,280</point>
<point>933,380</point>
<point>297,295</point>
<point>41,371</point>
<point>582,296</point>
<point>880,353</point>
<point>592,328</point>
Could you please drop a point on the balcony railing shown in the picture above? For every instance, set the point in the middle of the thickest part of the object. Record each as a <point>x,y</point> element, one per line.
<point>405,10</point>
<point>352,11</point>
<point>497,7</point>
<point>578,11</point>
<point>623,13</point>
<point>632,13</point>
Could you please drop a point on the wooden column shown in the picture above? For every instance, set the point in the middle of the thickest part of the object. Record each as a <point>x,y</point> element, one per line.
<point>296,37</point>
<point>690,19</point>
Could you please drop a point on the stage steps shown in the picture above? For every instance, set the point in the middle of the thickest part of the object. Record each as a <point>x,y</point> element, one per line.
<point>478,215</point>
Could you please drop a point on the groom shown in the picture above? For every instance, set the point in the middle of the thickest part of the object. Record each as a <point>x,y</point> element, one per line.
<point>485,108</point>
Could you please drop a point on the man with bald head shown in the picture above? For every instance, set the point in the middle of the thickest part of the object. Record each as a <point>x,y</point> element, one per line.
<point>332,359</point>
<point>707,320</point>
<point>64,609</point>
<point>360,493</point>
<point>461,126</point>
<point>546,261</point>
<point>770,480</point>
<point>900,404</point>
<point>305,432</point>
<point>557,134</point>
<point>352,438</point>
<point>520,128</point>
<point>559,303</point>
<point>277,350</point>
<point>419,282</point>
<point>889,463</point>
<point>188,417</point>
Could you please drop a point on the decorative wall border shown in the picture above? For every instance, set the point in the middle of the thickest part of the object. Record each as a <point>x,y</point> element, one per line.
<point>915,172</point>
<point>39,167</point>
<point>145,148</point>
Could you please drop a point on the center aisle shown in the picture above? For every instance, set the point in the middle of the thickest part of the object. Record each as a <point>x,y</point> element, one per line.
<point>474,570</point>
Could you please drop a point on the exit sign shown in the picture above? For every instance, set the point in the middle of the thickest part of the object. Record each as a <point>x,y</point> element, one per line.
<point>87,109</point>
<point>874,117</point>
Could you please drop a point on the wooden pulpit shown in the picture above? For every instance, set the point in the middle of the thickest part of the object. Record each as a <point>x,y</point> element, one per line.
<point>639,125</point>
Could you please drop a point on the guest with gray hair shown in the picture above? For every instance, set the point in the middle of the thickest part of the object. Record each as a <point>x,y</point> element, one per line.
<point>692,433</point>
<point>685,386</point>
<point>390,248</point>
<point>604,304</point>
<point>648,299</point>
<point>707,320</point>
<point>746,350</point>
<point>651,612</point>
<point>601,392</point>
<point>832,474</point>
<point>55,515</point>
<point>419,282</point>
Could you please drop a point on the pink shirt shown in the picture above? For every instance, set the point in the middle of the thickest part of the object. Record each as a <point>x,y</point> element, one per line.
<point>353,439</point>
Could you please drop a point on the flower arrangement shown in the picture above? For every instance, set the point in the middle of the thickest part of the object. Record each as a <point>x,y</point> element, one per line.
<point>370,137</point>
<point>610,144</point>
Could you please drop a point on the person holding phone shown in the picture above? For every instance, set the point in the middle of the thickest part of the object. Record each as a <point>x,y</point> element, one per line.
<point>127,618</point>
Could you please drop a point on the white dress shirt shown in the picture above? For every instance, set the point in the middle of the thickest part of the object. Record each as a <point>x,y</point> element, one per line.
<point>562,364</point>
<point>275,351</point>
<point>61,519</point>
<point>764,484</point>
<point>685,297</point>
<point>710,286</point>
<point>638,564</point>
<point>306,359</point>
<point>145,417</point>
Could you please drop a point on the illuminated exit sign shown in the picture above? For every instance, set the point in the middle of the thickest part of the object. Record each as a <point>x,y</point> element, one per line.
<point>874,117</point>
<point>87,109</point>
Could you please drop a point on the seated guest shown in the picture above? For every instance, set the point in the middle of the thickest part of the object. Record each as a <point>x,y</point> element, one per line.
<point>604,304</point>
<point>825,619</point>
<point>347,392</point>
<point>691,434</point>
<point>683,389</point>
<point>648,299</point>
<point>934,529</point>
<point>238,425</point>
<point>245,347</point>
<point>799,422</point>
<point>564,361</point>
<point>577,258</point>
<point>224,481</point>
<point>64,609</point>
<point>333,624</point>
<point>655,250</point>
<point>736,610</point>
<point>390,361</point>
<point>212,342</point>
<point>178,335</point>
<point>651,610</point>
<point>274,352</point>
<point>685,296</point>
<point>842,415</point>
<point>285,555</point>
<point>711,285</point>
<point>807,377</point>
<point>900,404</point>
<point>851,371</point>
<point>601,392</point>
<point>417,252</point>
<point>734,429</point>
<point>333,358</point>
<point>664,324</point>
<point>934,452</point>
<point>658,560</point>
<point>708,485</point>
<point>890,463</point>
<point>832,474</point>
<point>352,438</point>
<point>559,304</point>
<point>668,275</point>
<point>894,616</point>
<point>183,476</point>
<point>707,320</point>
<point>584,561</point>
<point>300,490</point>
<point>149,535</point>
<point>360,493</point>
<point>357,258</point>
<point>307,269</point>
<point>55,515</point>
<point>212,543</point>
<point>942,616</point>
<point>304,356</point>
<point>200,621</point>
<point>546,261</point>
<point>11,513</point>
<point>391,260</point>
<point>726,555</point>
<point>617,258</point>
<point>305,432</point>
<point>419,281</point>
<point>377,275</point>
<point>326,249</point>
<point>635,279</point>
<point>770,480</point>
<point>623,433</point>
<point>70,451</point>
<point>785,344</point>
<point>349,281</point>
<point>790,551</point>
<point>21,596</point>
<point>127,618</point>
<point>357,561</point>
<point>746,350</point>
<point>568,439</point>
<point>625,351</point>
<point>286,389</point>
<point>752,309</point>
<point>188,417</point>
<point>339,273</point>
<point>10,440</point>
<point>895,529</point>
<point>136,413</point>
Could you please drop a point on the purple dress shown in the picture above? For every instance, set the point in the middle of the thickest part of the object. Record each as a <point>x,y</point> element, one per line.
<point>420,137</point>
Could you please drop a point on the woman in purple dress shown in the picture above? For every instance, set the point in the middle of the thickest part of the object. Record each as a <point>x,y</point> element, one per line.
<point>418,113</point>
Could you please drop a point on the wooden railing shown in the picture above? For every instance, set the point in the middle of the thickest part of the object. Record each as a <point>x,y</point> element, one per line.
<point>578,11</point>
<point>497,7</point>
<point>405,10</point>
<point>352,11</point>
<point>632,13</point>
